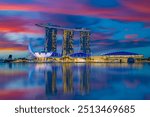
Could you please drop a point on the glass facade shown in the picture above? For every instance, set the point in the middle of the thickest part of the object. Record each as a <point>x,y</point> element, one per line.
<point>68,42</point>
<point>85,42</point>
<point>50,44</point>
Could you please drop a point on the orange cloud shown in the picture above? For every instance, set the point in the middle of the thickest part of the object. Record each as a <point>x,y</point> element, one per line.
<point>13,48</point>
<point>16,24</point>
<point>6,45</point>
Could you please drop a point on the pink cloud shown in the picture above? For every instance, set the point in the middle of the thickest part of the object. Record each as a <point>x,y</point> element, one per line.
<point>128,10</point>
<point>142,6</point>
<point>131,36</point>
<point>100,36</point>
<point>16,24</point>
<point>11,46</point>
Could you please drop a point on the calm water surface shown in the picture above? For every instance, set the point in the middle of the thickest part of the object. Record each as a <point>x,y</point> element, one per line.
<point>75,81</point>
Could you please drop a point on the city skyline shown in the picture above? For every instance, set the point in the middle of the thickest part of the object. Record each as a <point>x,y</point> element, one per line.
<point>115,24</point>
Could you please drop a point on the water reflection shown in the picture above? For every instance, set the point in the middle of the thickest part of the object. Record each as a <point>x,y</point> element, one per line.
<point>85,78</point>
<point>10,65</point>
<point>50,76</point>
<point>74,81</point>
<point>67,78</point>
<point>79,73</point>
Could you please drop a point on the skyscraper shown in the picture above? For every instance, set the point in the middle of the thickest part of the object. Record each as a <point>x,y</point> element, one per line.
<point>50,44</point>
<point>68,42</point>
<point>85,42</point>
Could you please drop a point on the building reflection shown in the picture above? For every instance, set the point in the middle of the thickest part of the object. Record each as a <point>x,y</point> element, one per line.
<point>74,78</point>
<point>85,78</point>
<point>67,72</point>
<point>10,65</point>
<point>50,75</point>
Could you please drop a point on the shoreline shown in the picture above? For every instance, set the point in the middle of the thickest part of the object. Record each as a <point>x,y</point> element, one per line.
<point>79,62</point>
<point>93,59</point>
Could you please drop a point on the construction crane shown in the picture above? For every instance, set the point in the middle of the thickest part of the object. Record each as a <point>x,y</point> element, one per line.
<point>61,28</point>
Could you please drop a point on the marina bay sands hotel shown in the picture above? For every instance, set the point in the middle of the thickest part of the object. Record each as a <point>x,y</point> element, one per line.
<point>68,35</point>
<point>68,51</point>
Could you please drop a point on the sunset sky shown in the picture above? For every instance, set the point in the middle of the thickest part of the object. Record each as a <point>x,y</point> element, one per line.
<point>116,25</point>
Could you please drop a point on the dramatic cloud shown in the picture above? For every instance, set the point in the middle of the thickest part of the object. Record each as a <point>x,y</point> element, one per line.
<point>137,5</point>
<point>114,24</point>
<point>6,44</point>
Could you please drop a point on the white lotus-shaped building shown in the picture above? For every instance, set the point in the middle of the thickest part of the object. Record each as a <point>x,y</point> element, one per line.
<point>42,55</point>
<point>39,54</point>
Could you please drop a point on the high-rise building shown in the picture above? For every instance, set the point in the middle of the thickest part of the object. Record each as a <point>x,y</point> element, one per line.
<point>85,42</point>
<point>50,44</point>
<point>68,42</point>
